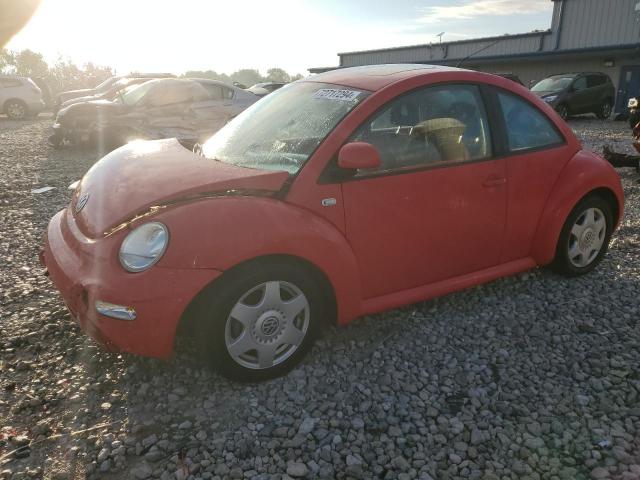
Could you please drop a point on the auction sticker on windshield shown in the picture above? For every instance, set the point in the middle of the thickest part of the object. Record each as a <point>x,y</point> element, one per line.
<point>337,94</point>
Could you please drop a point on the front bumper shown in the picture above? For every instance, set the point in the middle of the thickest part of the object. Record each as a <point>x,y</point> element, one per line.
<point>73,133</point>
<point>86,271</point>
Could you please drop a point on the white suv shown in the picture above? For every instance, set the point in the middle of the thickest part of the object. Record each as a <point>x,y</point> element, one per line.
<point>20,97</point>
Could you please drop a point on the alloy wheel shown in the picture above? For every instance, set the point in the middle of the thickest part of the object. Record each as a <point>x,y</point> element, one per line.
<point>267,325</point>
<point>563,111</point>
<point>16,110</point>
<point>587,237</point>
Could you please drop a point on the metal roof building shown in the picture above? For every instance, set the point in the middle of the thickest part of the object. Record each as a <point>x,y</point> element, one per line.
<point>585,35</point>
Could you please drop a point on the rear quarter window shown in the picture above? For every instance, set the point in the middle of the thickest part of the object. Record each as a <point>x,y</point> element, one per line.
<point>596,80</point>
<point>527,127</point>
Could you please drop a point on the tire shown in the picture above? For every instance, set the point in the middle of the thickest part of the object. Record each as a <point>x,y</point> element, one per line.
<point>584,239</point>
<point>248,311</point>
<point>563,111</point>
<point>16,109</point>
<point>605,110</point>
<point>55,140</point>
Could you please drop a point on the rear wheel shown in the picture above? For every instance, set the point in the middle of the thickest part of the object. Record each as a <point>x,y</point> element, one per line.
<point>15,109</point>
<point>584,239</point>
<point>563,111</point>
<point>261,321</point>
<point>605,110</point>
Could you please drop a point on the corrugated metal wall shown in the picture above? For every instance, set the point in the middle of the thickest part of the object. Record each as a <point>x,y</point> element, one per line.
<point>594,23</point>
<point>436,52</point>
<point>585,24</point>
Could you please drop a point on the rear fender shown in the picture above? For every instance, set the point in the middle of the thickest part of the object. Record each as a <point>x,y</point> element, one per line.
<point>585,173</point>
<point>223,232</point>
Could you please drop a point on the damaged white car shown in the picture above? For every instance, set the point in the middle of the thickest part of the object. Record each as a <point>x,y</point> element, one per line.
<point>190,110</point>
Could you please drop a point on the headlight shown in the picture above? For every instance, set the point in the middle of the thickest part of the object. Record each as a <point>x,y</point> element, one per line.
<point>144,246</point>
<point>633,102</point>
<point>550,98</point>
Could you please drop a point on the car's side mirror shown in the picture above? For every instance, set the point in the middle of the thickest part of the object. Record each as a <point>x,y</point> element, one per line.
<point>359,155</point>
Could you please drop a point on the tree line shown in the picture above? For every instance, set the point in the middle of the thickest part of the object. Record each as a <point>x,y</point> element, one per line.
<point>66,75</point>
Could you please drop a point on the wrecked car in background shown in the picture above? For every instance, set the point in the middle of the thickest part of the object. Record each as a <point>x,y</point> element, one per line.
<point>190,110</point>
<point>110,94</point>
<point>101,88</point>
<point>265,88</point>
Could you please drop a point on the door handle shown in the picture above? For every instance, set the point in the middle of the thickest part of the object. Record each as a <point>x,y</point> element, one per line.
<point>494,182</point>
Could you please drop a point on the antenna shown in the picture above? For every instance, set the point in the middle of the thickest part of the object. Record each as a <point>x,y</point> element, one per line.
<point>478,51</point>
<point>440,36</point>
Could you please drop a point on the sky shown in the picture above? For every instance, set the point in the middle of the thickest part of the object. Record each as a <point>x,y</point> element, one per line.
<point>176,36</point>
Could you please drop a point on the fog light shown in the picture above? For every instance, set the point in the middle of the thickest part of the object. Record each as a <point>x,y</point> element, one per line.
<point>115,311</point>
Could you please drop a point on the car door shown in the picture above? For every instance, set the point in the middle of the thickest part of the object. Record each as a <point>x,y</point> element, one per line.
<point>436,207</point>
<point>216,110</point>
<point>596,85</point>
<point>9,88</point>
<point>165,111</point>
<point>579,98</point>
<point>536,152</point>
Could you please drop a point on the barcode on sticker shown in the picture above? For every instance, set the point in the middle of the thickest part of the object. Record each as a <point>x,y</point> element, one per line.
<point>336,94</point>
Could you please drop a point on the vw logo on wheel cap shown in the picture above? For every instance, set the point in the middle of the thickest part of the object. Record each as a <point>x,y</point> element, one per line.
<point>270,326</point>
<point>82,201</point>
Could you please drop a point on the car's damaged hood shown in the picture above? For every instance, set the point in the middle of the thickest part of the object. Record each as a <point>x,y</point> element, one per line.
<point>78,109</point>
<point>87,98</point>
<point>143,177</point>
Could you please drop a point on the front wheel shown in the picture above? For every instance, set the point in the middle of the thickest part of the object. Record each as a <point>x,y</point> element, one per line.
<point>56,140</point>
<point>605,110</point>
<point>563,111</point>
<point>584,239</point>
<point>261,321</point>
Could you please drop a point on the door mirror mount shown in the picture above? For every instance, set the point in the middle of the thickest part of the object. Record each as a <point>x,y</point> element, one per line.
<point>359,155</point>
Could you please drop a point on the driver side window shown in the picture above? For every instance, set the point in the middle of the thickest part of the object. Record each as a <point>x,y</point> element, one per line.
<point>580,84</point>
<point>431,126</point>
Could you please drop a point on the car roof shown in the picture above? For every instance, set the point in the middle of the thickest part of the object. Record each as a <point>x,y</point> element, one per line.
<point>576,74</point>
<point>208,80</point>
<point>215,82</point>
<point>375,77</point>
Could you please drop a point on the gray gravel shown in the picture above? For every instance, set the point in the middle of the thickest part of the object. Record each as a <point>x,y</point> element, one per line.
<point>534,376</point>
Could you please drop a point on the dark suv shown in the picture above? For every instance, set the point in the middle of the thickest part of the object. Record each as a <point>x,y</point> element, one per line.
<point>575,93</point>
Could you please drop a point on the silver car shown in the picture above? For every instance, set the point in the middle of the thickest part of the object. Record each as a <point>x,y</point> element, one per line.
<point>20,97</point>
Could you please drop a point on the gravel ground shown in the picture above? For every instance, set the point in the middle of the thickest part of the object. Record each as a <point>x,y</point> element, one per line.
<point>534,376</point>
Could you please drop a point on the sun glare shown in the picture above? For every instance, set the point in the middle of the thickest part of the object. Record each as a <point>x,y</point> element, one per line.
<point>170,35</point>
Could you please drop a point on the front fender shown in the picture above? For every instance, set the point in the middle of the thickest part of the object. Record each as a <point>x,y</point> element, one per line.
<point>220,233</point>
<point>583,174</point>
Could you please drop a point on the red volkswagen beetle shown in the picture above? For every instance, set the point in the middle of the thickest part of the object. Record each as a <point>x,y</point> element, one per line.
<point>348,193</point>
